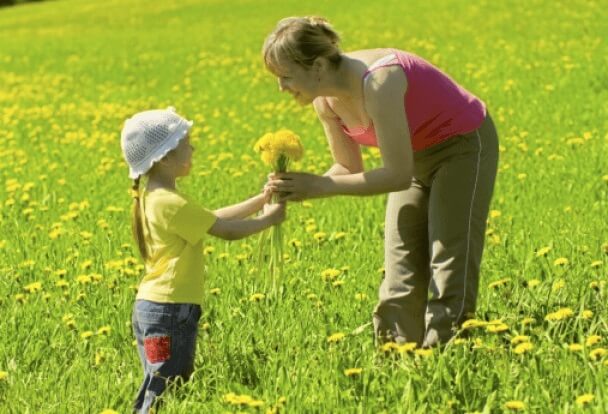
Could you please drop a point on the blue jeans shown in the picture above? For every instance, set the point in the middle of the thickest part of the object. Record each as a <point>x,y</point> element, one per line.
<point>166,341</point>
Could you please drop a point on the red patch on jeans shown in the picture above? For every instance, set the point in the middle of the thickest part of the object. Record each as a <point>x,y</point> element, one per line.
<point>158,348</point>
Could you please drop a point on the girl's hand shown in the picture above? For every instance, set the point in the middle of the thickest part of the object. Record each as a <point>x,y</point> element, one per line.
<point>297,186</point>
<point>275,212</point>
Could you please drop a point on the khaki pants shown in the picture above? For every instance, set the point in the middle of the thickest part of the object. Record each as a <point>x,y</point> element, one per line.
<point>434,237</point>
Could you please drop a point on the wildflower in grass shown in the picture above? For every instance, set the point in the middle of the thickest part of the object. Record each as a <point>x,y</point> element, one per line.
<point>598,353</point>
<point>100,357</point>
<point>528,321</point>
<point>596,264</point>
<point>495,214</point>
<point>532,283</point>
<point>559,315</point>
<point>335,338</point>
<point>242,400</point>
<point>351,372</point>
<point>278,150</point>
<point>360,296</point>
<point>515,405</point>
<point>519,339</point>
<point>86,335</point>
<point>562,261</point>
<point>33,287</point>
<point>320,236</point>
<point>256,297</point>
<point>339,235</point>
<point>338,283</point>
<point>104,330</point>
<point>3,375</point>
<point>109,411</point>
<point>208,250</point>
<point>584,399</point>
<point>523,348</point>
<point>295,243</point>
<point>406,347</point>
<point>215,291</point>
<point>330,274</point>
<point>586,314</point>
<point>424,352</point>
<point>389,346</point>
<point>543,251</point>
<point>83,279</point>
<point>496,326</point>
<point>20,298</point>
<point>499,283</point>
<point>592,340</point>
<point>558,285</point>
<point>473,323</point>
<point>575,347</point>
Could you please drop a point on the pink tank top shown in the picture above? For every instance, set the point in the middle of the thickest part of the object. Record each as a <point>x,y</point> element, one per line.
<point>436,107</point>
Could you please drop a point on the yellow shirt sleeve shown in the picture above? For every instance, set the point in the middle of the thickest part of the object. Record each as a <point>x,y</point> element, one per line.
<point>191,222</point>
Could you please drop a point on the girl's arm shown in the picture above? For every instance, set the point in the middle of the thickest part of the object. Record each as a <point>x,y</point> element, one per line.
<point>234,229</point>
<point>384,92</point>
<point>242,209</point>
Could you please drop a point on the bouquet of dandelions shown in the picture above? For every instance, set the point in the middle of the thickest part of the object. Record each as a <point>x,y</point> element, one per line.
<point>277,150</point>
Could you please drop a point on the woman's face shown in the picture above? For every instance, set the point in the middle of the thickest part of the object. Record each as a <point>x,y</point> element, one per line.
<point>298,81</point>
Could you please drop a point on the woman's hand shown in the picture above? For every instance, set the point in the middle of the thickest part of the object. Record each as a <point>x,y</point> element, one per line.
<point>292,186</point>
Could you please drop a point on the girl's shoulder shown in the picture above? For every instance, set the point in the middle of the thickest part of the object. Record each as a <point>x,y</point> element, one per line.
<point>369,56</point>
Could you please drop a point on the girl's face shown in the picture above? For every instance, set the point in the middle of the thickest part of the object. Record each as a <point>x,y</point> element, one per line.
<point>298,81</point>
<point>180,159</point>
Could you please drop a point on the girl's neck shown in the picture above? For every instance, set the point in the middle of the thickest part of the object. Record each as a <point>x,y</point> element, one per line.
<point>159,181</point>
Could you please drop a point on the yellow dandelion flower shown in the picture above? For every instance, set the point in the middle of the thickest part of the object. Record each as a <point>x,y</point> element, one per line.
<point>360,296</point>
<point>109,411</point>
<point>256,297</point>
<point>86,334</point>
<point>351,372</point>
<point>543,251</point>
<point>575,347</point>
<point>497,327</point>
<point>389,346</point>
<point>330,274</point>
<point>515,405</point>
<point>523,348</point>
<point>559,315</point>
<point>3,375</point>
<point>532,283</point>
<point>320,236</point>
<point>208,250</point>
<point>519,339</point>
<point>587,314</point>
<point>33,287</point>
<point>295,243</point>
<point>215,291</point>
<point>598,353</point>
<point>596,264</point>
<point>584,399</point>
<point>528,321</point>
<point>335,338</point>
<point>592,340</point>
<point>104,330</point>
<point>406,347</point>
<point>561,261</point>
<point>338,283</point>
<point>473,323</point>
<point>424,352</point>
<point>499,283</point>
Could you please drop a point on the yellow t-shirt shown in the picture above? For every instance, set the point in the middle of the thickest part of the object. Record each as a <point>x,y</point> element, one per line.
<point>174,229</point>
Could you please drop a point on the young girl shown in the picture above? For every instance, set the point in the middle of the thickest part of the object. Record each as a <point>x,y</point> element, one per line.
<point>439,151</point>
<point>170,228</point>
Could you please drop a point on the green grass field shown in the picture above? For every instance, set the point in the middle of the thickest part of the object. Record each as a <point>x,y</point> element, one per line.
<point>72,71</point>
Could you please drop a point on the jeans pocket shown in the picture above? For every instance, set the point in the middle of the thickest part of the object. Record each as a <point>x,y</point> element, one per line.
<point>188,315</point>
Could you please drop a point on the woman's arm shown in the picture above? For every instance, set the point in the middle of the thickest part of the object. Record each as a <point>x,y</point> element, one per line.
<point>384,103</point>
<point>345,152</point>
<point>242,209</point>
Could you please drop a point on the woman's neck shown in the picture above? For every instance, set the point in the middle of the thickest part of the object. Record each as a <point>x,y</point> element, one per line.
<point>345,83</point>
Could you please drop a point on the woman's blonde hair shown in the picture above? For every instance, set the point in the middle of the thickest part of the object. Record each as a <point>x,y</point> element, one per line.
<point>301,40</point>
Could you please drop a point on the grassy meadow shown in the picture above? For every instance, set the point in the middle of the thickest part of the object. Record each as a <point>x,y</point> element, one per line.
<point>72,71</point>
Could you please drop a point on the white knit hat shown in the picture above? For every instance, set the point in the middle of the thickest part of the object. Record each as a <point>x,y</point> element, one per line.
<point>148,136</point>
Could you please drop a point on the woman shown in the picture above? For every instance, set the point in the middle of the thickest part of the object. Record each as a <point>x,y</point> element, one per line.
<point>439,151</point>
